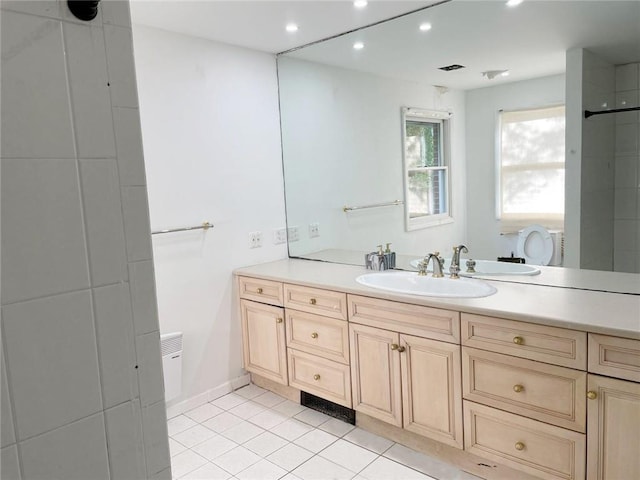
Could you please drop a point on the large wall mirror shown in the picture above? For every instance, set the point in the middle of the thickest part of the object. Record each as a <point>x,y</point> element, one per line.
<point>342,131</point>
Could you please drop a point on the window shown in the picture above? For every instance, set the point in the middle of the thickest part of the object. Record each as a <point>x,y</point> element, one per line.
<point>531,167</point>
<point>426,167</point>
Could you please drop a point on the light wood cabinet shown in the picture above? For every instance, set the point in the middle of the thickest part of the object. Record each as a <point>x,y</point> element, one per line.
<point>613,429</point>
<point>536,448</point>
<point>263,340</point>
<point>321,377</point>
<point>408,381</point>
<point>431,389</point>
<point>614,356</point>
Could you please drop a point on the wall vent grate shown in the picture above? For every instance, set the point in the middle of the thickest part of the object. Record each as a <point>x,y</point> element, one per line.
<point>449,68</point>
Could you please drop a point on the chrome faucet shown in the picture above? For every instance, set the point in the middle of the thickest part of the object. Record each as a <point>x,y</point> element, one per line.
<point>454,268</point>
<point>437,265</point>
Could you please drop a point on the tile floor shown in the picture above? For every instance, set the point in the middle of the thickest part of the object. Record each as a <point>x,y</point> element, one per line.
<point>254,434</point>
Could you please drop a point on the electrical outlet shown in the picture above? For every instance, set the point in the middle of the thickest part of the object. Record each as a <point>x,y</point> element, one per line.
<point>255,239</point>
<point>314,230</point>
<point>293,234</point>
<point>279,236</point>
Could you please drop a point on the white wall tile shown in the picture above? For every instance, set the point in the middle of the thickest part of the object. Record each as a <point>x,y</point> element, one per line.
<point>163,475</point>
<point>625,100</point>
<point>6,426</point>
<point>626,235</point>
<point>116,344</point>
<point>156,443</point>
<point>129,146</point>
<point>90,100</point>
<point>125,441</point>
<point>136,223</point>
<point>627,77</point>
<point>104,222</point>
<point>10,464</point>
<point>627,139</point>
<point>36,121</point>
<point>149,368</point>
<point>116,12</point>
<point>33,7</point>
<point>121,66</point>
<point>77,451</point>
<point>143,297</point>
<point>627,168</point>
<point>53,362</point>
<point>626,200</point>
<point>42,237</point>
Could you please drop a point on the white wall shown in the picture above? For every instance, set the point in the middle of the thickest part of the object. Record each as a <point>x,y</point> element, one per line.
<point>627,172</point>
<point>482,106</point>
<point>82,392</point>
<point>210,129</point>
<point>342,145</point>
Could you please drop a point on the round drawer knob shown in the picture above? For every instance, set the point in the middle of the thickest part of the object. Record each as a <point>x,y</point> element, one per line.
<point>518,340</point>
<point>519,446</point>
<point>401,349</point>
<point>518,388</point>
<point>394,346</point>
<point>260,290</point>
<point>312,301</point>
<point>314,335</point>
<point>316,377</point>
<point>279,320</point>
<point>591,395</point>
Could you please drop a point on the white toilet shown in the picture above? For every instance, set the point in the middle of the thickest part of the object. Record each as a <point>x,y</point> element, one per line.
<point>538,246</point>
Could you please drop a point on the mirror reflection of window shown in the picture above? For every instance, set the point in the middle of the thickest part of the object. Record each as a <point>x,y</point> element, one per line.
<point>531,170</point>
<point>426,168</point>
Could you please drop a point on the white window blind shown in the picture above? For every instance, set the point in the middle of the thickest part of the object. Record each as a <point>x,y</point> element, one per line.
<point>531,167</point>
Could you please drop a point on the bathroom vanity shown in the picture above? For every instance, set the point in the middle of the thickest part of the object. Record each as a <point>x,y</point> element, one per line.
<point>532,382</point>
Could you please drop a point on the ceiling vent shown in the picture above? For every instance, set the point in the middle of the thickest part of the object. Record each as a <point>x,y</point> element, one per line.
<point>449,68</point>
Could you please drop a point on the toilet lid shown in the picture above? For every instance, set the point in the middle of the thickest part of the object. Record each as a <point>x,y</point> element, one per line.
<point>535,245</point>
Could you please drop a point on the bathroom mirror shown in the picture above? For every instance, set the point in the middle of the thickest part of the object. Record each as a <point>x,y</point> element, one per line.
<point>342,127</point>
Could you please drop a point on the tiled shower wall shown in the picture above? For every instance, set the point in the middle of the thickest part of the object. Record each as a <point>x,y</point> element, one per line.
<point>627,171</point>
<point>82,389</point>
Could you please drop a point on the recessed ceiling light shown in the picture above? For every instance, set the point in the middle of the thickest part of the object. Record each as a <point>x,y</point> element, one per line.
<point>425,27</point>
<point>291,27</point>
<point>513,3</point>
<point>360,3</point>
<point>491,74</point>
<point>358,45</point>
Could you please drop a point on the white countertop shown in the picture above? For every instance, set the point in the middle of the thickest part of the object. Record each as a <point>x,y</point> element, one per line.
<point>618,282</point>
<point>591,311</point>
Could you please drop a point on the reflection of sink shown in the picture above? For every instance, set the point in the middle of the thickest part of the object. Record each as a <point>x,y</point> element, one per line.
<point>488,267</point>
<point>414,284</point>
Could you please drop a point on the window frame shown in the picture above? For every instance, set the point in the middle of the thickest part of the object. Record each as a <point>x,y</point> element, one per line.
<point>444,119</point>
<point>510,222</point>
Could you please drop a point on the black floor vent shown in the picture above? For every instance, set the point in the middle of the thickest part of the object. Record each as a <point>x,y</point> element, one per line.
<point>325,406</point>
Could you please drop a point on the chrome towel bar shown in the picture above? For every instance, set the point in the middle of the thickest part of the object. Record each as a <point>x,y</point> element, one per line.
<point>205,226</point>
<point>375,205</point>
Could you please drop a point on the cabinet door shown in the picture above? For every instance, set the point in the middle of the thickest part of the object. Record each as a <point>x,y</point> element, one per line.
<point>375,373</point>
<point>431,389</point>
<point>263,339</point>
<point>613,429</point>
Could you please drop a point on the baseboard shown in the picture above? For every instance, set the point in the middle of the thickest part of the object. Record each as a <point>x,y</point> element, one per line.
<point>204,397</point>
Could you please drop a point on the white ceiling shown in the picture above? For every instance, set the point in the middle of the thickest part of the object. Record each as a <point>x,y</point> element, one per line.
<point>260,25</point>
<point>530,40</point>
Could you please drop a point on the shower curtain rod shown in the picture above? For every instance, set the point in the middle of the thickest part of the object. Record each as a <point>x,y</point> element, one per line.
<point>589,113</point>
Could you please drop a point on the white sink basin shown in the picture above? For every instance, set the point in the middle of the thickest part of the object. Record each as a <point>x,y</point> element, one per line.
<point>414,284</point>
<point>487,267</point>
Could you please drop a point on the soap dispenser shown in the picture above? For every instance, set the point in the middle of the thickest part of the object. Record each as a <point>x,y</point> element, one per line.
<point>390,257</point>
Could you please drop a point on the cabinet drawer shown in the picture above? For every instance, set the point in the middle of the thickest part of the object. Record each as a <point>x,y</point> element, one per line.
<point>527,340</point>
<point>405,318</point>
<point>264,291</point>
<point>544,392</point>
<point>533,447</point>
<point>614,357</point>
<point>319,376</point>
<point>326,337</point>
<point>314,300</point>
